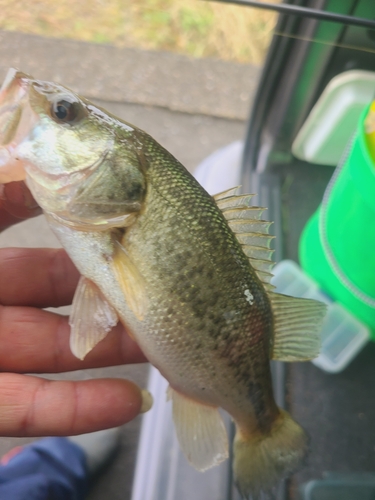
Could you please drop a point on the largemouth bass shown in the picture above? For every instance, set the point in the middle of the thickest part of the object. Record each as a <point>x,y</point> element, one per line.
<point>186,273</point>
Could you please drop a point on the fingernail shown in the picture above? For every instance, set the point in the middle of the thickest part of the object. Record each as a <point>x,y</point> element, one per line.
<point>147,401</point>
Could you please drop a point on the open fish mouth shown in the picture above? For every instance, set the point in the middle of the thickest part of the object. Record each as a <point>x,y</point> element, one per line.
<point>13,95</point>
<point>15,86</point>
<point>15,124</point>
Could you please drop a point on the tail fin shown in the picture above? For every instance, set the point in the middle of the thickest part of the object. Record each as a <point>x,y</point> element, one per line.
<point>260,461</point>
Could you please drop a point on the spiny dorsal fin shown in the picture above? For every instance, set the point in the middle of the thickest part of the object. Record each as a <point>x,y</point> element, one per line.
<point>250,230</point>
<point>269,287</point>
<point>250,226</point>
<point>297,325</point>
<point>226,194</point>
<point>242,201</point>
<point>248,213</point>
<point>254,252</point>
<point>263,265</point>
<point>257,239</point>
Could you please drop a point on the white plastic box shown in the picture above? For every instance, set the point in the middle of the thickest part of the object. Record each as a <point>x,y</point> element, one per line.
<point>333,119</point>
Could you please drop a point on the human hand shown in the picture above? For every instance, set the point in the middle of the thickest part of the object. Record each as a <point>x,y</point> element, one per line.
<point>16,203</point>
<point>33,340</point>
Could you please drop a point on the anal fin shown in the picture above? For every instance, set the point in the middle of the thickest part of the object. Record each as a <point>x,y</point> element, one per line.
<point>200,431</point>
<point>297,325</point>
<point>92,317</point>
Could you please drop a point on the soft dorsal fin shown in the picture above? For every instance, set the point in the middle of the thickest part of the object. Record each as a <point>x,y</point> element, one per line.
<point>297,326</point>
<point>251,231</point>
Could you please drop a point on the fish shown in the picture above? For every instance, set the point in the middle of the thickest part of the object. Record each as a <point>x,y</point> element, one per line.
<point>188,274</point>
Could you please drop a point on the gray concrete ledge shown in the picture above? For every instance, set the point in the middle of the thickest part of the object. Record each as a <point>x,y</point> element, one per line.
<point>204,86</point>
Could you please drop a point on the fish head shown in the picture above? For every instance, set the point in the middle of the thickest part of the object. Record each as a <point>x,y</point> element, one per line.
<point>80,163</point>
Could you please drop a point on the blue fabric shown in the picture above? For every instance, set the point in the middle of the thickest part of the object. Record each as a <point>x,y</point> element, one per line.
<point>49,469</point>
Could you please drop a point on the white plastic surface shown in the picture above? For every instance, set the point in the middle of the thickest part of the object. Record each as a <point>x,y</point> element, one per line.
<point>334,118</point>
<point>222,169</point>
<point>343,336</point>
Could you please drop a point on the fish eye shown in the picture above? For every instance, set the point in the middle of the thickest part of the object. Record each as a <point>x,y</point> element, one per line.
<point>65,111</point>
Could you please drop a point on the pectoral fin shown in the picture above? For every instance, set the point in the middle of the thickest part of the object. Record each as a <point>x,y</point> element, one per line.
<point>92,317</point>
<point>130,281</point>
<point>200,431</point>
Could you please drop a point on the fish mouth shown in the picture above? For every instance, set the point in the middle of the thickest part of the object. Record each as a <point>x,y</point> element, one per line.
<point>14,123</point>
<point>13,94</point>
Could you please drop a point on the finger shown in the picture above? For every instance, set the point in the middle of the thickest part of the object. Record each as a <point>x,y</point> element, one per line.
<point>16,203</point>
<point>31,406</point>
<point>7,219</point>
<point>40,277</point>
<point>37,341</point>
